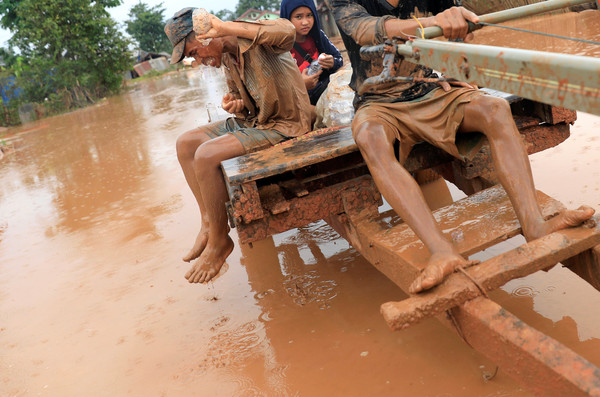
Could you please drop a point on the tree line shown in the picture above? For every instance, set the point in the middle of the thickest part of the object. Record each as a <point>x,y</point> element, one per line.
<point>66,54</point>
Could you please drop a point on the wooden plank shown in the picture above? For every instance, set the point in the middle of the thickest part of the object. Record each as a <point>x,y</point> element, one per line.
<point>294,186</point>
<point>493,273</point>
<point>245,203</point>
<point>472,224</point>
<point>538,362</point>
<point>533,359</point>
<point>286,157</point>
<point>587,266</point>
<point>273,200</point>
<point>359,192</point>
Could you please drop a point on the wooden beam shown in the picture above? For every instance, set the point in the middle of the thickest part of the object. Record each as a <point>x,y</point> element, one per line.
<point>538,362</point>
<point>587,266</point>
<point>472,224</point>
<point>533,359</point>
<point>491,274</point>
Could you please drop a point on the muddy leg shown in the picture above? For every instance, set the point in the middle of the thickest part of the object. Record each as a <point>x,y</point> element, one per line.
<point>404,195</point>
<point>492,117</point>
<point>207,169</point>
<point>187,144</point>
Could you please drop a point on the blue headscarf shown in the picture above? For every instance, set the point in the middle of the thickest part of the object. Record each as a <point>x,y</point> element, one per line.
<point>288,6</point>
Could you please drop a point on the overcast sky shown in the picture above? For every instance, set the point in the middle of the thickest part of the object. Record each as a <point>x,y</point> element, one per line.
<point>120,13</point>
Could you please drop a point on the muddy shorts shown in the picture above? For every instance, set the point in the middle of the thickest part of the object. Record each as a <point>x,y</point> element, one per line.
<point>433,118</point>
<point>252,139</point>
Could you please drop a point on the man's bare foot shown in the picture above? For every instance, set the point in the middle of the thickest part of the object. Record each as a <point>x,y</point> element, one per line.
<point>199,245</point>
<point>211,260</point>
<point>567,218</point>
<point>438,267</point>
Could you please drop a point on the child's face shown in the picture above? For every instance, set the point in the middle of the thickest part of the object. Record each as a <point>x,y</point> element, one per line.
<point>303,19</point>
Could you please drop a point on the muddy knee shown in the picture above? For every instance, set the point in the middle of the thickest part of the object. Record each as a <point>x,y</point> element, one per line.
<point>185,146</point>
<point>206,157</point>
<point>373,141</point>
<point>491,116</point>
<point>188,142</point>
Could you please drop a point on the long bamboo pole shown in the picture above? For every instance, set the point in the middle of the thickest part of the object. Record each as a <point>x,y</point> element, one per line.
<point>510,14</point>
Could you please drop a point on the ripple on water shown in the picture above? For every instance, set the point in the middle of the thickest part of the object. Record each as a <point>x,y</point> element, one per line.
<point>232,347</point>
<point>529,291</point>
<point>307,288</point>
<point>247,388</point>
<point>525,290</point>
<point>261,295</point>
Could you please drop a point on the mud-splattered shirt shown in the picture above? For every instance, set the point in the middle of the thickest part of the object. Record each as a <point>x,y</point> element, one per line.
<point>265,76</point>
<point>361,23</point>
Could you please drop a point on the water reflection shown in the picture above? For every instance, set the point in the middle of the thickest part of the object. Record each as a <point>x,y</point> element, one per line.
<point>94,215</point>
<point>92,165</point>
<point>582,25</point>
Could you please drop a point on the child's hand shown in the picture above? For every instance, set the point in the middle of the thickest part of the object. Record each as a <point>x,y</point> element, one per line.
<point>310,81</point>
<point>326,61</point>
<point>232,105</point>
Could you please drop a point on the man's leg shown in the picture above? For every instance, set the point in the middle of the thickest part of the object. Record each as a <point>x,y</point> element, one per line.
<point>404,195</point>
<point>211,185</point>
<point>187,144</point>
<point>492,117</point>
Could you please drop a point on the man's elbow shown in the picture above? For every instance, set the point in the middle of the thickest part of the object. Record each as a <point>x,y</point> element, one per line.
<point>287,36</point>
<point>288,29</point>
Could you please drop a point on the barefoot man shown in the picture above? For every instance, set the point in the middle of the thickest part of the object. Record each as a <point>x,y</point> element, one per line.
<point>410,112</point>
<point>269,103</point>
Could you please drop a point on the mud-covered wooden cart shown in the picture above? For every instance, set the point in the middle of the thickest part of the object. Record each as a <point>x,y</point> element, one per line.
<point>323,176</point>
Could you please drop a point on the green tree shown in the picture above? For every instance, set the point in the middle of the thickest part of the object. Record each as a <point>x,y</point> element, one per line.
<point>146,26</point>
<point>72,49</point>
<point>224,15</point>
<point>263,5</point>
<point>8,10</point>
<point>9,56</point>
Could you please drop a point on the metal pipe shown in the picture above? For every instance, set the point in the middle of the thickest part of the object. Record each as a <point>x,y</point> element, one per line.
<point>559,79</point>
<point>510,14</point>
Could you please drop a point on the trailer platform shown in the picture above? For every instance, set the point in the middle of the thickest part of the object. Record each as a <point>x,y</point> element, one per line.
<point>323,176</point>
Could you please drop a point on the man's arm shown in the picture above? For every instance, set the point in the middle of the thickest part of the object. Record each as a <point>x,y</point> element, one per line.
<point>366,29</point>
<point>453,22</point>
<point>279,34</point>
<point>358,24</point>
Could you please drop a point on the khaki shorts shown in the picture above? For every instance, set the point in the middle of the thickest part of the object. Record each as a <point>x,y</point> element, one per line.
<point>433,118</point>
<point>252,139</point>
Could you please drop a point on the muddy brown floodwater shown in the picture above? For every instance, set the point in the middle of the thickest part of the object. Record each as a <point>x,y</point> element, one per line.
<point>95,216</point>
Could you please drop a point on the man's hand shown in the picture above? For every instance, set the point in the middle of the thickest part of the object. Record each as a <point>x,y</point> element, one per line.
<point>326,61</point>
<point>446,85</point>
<point>310,81</point>
<point>214,31</point>
<point>453,22</point>
<point>232,105</point>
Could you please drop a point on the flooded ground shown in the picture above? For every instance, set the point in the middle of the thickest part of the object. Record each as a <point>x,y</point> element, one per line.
<point>95,215</point>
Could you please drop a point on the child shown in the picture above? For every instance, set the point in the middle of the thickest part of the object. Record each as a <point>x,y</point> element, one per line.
<point>310,43</point>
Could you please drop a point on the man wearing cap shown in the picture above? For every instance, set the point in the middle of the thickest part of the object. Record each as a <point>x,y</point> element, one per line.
<point>269,103</point>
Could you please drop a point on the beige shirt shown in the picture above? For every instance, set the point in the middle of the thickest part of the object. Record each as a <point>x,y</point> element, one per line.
<point>266,77</point>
